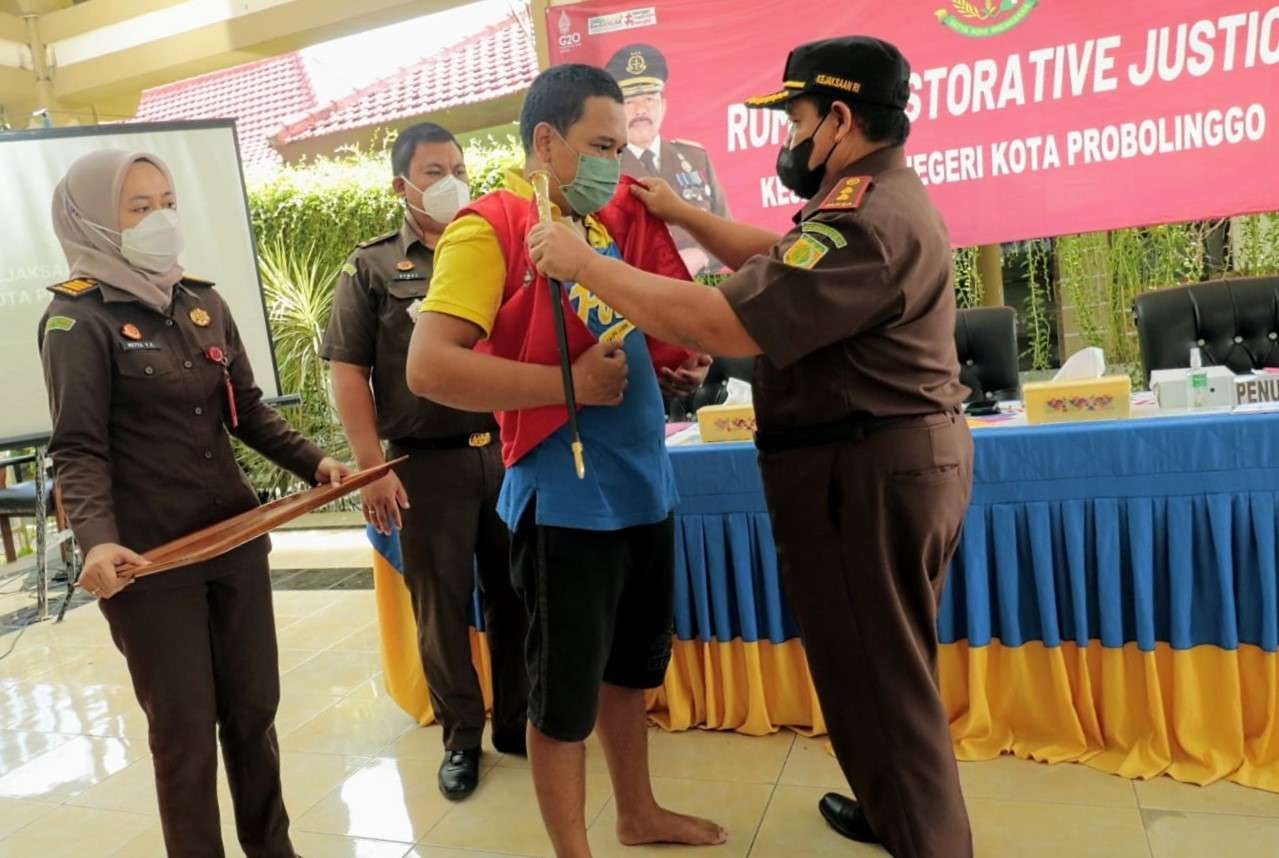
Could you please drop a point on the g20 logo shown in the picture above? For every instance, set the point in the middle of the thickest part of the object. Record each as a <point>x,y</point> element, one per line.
<point>569,39</point>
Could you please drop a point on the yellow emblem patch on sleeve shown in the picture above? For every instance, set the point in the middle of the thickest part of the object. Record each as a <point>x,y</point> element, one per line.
<point>58,323</point>
<point>805,253</point>
<point>348,269</point>
<point>847,195</point>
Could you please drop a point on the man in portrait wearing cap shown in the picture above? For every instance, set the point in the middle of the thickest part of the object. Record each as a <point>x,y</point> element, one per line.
<point>865,455</point>
<point>641,71</point>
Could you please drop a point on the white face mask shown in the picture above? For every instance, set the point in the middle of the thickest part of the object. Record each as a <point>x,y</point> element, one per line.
<point>443,200</point>
<point>154,244</point>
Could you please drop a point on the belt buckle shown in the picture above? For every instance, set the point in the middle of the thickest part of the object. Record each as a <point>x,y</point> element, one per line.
<point>480,439</point>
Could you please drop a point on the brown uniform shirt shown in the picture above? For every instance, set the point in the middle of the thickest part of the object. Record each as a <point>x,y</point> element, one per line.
<point>140,414</point>
<point>854,308</point>
<point>371,326</point>
<point>686,167</point>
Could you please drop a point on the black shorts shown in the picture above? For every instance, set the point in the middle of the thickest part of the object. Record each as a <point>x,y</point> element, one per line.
<point>601,609</point>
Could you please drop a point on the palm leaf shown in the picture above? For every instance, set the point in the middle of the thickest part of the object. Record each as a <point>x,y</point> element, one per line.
<point>298,286</point>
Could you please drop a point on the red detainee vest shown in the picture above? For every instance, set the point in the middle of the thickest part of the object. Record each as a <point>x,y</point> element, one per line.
<point>524,329</point>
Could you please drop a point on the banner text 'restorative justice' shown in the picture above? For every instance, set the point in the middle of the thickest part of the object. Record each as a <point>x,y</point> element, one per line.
<point>1030,117</point>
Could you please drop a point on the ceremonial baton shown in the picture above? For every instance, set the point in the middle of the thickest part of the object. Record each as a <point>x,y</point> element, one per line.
<point>229,534</point>
<point>542,193</point>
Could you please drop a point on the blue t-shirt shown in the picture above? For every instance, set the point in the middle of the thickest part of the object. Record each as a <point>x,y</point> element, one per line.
<point>629,481</point>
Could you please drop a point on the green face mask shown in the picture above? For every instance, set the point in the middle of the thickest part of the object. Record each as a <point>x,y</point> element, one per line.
<point>595,184</point>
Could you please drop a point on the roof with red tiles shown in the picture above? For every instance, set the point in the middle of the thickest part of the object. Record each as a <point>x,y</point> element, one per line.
<point>498,61</point>
<point>261,96</point>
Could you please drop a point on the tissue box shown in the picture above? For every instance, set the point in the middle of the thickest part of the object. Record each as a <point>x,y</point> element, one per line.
<point>1169,387</point>
<point>1108,398</point>
<point>726,422</point>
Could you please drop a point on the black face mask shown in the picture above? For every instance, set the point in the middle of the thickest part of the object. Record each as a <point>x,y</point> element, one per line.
<point>793,169</point>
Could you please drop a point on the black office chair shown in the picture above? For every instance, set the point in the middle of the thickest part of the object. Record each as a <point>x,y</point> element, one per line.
<point>714,390</point>
<point>1233,323</point>
<point>986,339</point>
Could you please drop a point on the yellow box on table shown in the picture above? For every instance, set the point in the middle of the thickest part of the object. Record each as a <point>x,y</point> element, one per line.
<point>1106,398</point>
<point>726,422</point>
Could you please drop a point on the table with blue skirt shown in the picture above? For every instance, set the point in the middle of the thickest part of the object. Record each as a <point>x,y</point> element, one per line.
<point>1114,601</point>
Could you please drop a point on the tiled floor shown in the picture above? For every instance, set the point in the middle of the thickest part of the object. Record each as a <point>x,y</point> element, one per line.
<point>75,774</point>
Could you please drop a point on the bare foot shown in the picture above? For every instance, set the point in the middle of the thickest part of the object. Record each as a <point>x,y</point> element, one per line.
<point>663,826</point>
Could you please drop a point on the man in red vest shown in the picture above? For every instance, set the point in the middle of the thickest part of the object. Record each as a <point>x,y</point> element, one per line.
<point>593,559</point>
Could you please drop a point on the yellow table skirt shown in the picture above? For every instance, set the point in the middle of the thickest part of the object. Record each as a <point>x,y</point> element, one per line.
<point>1199,715</point>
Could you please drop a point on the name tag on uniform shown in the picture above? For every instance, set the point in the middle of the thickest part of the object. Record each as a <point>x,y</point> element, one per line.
<point>139,346</point>
<point>409,275</point>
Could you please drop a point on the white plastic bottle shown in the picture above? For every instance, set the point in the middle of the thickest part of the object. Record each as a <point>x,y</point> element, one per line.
<point>1196,382</point>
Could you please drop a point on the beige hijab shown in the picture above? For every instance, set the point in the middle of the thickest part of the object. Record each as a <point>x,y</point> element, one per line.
<point>90,191</point>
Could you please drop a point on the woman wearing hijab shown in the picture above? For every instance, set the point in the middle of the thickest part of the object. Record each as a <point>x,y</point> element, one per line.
<point>147,380</point>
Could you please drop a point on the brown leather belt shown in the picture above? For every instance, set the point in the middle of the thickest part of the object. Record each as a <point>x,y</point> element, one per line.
<point>475,440</point>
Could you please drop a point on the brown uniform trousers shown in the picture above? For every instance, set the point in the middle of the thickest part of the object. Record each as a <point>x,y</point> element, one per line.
<point>198,688</point>
<point>452,532</point>
<point>865,532</point>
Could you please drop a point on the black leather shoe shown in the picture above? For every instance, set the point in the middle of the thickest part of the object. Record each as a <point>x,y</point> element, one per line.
<point>846,817</point>
<point>459,773</point>
<point>513,743</point>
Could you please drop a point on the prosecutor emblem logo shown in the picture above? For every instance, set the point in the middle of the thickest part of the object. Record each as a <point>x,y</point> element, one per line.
<point>805,253</point>
<point>982,18</point>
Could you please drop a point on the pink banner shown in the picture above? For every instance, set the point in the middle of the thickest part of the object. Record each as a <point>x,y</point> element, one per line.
<point>1031,118</point>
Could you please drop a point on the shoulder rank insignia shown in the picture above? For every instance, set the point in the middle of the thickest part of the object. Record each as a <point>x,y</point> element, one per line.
<point>805,253</point>
<point>379,239</point>
<point>693,143</point>
<point>847,195</point>
<point>75,288</point>
<point>191,280</point>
